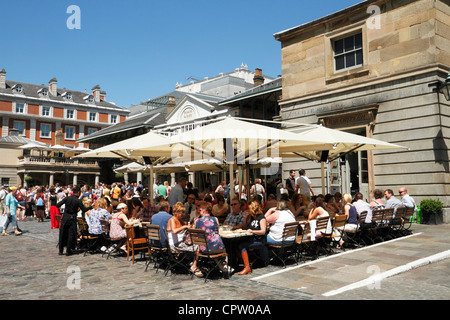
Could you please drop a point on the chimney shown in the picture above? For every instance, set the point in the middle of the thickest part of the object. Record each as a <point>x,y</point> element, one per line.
<point>103,95</point>
<point>59,137</point>
<point>96,93</point>
<point>171,104</point>
<point>258,79</point>
<point>2,79</point>
<point>52,86</point>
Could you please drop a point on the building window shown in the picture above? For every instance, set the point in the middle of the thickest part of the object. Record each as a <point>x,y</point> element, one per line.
<point>70,133</point>
<point>91,130</point>
<point>70,114</point>
<point>5,181</point>
<point>20,108</point>
<point>67,96</point>
<point>46,130</point>
<point>92,116</point>
<point>17,88</point>
<point>46,111</point>
<point>43,92</point>
<point>113,119</point>
<point>348,52</point>
<point>20,127</point>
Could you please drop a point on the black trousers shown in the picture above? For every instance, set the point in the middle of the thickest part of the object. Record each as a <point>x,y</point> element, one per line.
<point>68,233</point>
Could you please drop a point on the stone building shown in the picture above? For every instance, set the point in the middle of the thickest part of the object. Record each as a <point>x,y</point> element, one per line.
<point>373,69</point>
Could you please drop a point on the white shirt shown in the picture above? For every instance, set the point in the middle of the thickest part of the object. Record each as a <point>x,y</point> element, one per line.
<point>303,184</point>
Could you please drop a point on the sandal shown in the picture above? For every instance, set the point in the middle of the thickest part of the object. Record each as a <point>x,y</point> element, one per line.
<point>196,272</point>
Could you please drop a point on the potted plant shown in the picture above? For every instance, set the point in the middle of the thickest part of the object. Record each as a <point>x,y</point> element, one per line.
<point>119,176</point>
<point>431,211</point>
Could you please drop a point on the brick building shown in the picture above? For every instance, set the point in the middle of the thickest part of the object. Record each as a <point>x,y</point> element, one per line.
<point>54,116</point>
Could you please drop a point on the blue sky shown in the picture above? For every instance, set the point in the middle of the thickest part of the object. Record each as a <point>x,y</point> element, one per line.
<point>139,49</point>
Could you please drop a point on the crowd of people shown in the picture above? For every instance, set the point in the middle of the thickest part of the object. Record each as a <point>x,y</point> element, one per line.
<point>181,206</point>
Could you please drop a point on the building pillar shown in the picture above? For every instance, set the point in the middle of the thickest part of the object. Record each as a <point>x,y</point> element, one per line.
<point>51,180</point>
<point>97,179</point>
<point>125,177</point>
<point>172,179</point>
<point>75,179</point>
<point>139,177</point>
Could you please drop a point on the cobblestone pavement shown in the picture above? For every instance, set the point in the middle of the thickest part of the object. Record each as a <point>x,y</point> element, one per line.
<point>33,270</point>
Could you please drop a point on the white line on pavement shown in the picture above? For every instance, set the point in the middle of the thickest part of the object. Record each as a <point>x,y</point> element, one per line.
<point>331,257</point>
<point>372,280</point>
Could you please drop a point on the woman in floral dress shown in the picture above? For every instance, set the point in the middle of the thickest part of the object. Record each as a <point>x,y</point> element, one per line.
<point>210,224</point>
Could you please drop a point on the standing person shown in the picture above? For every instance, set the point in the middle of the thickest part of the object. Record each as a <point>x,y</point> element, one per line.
<point>40,206</point>
<point>258,189</point>
<point>177,192</point>
<point>162,190</point>
<point>303,185</point>
<point>54,211</point>
<point>68,228</point>
<point>258,227</point>
<point>10,209</point>
<point>21,196</point>
<point>290,183</point>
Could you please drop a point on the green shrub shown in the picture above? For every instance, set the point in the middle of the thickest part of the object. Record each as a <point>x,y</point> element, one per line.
<point>429,206</point>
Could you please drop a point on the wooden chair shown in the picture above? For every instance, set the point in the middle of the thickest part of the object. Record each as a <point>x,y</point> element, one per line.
<point>381,219</point>
<point>339,222</point>
<point>135,244</point>
<point>324,234</point>
<point>88,241</point>
<point>176,259</point>
<point>406,225</point>
<point>288,247</point>
<point>306,247</point>
<point>356,237</point>
<point>158,253</point>
<point>208,261</point>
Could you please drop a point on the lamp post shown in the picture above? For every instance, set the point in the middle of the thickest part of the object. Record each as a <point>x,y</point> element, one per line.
<point>444,88</point>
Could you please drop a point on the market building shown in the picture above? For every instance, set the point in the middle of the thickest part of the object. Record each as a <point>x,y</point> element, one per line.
<point>50,116</point>
<point>374,69</point>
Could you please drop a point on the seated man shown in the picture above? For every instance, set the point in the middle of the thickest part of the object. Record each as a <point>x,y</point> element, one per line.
<point>362,206</point>
<point>235,218</point>
<point>161,219</point>
<point>392,202</point>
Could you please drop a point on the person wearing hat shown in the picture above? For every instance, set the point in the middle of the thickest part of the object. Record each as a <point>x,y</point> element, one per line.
<point>68,228</point>
<point>117,227</point>
<point>11,204</point>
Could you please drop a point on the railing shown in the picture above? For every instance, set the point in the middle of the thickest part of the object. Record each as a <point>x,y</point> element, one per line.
<point>58,161</point>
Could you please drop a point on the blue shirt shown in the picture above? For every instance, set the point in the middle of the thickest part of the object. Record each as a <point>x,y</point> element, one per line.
<point>95,227</point>
<point>12,203</point>
<point>161,219</point>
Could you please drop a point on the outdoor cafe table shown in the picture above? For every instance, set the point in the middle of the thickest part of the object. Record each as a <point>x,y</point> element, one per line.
<point>231,239</point>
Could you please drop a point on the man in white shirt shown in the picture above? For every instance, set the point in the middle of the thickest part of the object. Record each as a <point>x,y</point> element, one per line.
<point>407,200</point>
<point>362,206</point>
<point>303,185</point>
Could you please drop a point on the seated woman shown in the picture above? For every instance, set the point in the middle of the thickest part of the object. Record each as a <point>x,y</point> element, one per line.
<point>277,217</point>
<point>117,227</point>
<point>298,206</point>
<point>257,226</point>
<point>351,214</point>
<point>317,212</point>
<point>99,212</point>
<point>136,207</point>
<point>330,205</point>
<point>176,228</point>
<point>221,209</point>
<point>215,244</point>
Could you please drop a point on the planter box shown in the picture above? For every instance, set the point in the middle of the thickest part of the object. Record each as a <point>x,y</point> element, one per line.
<point>433,218</point>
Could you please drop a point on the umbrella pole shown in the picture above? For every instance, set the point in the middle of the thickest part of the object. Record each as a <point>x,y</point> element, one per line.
<point>322,169</point>
<point>230,169</point>
<point>150,187</point>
